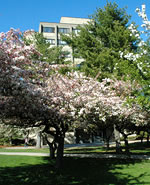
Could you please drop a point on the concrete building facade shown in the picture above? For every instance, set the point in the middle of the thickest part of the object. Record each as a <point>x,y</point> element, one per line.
<point>52,31</point>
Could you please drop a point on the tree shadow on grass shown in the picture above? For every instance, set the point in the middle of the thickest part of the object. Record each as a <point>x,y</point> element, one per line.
<point>135,148</point>
<point>82,150</point>
<point>76,171</point>
<point>139,145</point>
<point>90,150</point>
<point>139,148</point>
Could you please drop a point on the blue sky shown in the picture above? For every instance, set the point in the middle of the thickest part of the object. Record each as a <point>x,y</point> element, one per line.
<point>27,14</point>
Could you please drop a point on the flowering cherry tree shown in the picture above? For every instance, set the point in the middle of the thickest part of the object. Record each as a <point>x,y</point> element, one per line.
<point>142,13</point>
<point>24,98</point>
<point>91,102</point>
<point>33,97</point>
<point>144,62</point>
<point>140,60</point>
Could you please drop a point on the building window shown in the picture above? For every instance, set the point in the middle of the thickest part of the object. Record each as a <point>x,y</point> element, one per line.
<point>49,29</point>
<point>61,42</point>
<point>68,55</point>
<point>51,41</point>
<point>63,30</point>
<point>76,31</point>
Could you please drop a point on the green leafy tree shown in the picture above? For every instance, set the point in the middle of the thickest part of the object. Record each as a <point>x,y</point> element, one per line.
<point>52,55</point>
<point>9,132</point>
<point>100,42</point>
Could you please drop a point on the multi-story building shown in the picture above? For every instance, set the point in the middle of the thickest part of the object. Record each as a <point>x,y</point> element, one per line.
<point>52,31</point>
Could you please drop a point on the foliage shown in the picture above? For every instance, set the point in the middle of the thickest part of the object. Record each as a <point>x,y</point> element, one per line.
<point>100,42</point>
<point>33,97</point>
<point>52,55</point>
<point>143,63</point>
<point>65,69</point>
<point>9,132</point>
<point>111,47</point>
<point>24,97</point>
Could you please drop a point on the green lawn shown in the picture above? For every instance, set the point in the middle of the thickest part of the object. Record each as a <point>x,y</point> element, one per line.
<point>27,170</point>
<point>135,148</point>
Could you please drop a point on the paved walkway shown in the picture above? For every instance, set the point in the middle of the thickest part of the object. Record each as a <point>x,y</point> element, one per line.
<point>100,155</point>
<point>65,146</point>
<point>24,153</point>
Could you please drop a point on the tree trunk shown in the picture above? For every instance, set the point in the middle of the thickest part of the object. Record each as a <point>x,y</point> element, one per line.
<point>51,152</point>
<point>126,144</point>
<point>147,138</point>
<point>117,140</point>
<point>142,137</point>
<point>60,152</point>
<point>107,143</point>
<point>52,149</point>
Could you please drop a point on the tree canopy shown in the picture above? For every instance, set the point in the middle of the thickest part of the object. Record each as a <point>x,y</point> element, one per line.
<point>100,42</point>
<point>31,96</point>
<point>48,53</point>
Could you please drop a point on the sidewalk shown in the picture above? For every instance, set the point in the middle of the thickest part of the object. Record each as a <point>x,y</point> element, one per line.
<point>100,155</point>
<point>65,146</point>
<point>24,153</point>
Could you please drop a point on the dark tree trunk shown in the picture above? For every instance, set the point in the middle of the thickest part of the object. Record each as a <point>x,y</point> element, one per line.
<point>58,142</point>
<point>60,152</point>
<point>52,149</point>
<point>106,138</point>
<point>147,138</point>
<point>126,143</point>
<point>142,137</point>
<point>117,140</point>
<point>109,133</point>
<point>107,143</point>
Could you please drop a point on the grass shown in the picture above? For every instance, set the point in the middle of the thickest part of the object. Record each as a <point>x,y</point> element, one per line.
<point>27,170</point>
<point>88,150</point>
<point>135,148</point>
<point>140,147</point>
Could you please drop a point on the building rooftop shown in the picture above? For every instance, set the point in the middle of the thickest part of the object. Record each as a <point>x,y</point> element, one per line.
<point>74,20</point>
<point>70,20</point>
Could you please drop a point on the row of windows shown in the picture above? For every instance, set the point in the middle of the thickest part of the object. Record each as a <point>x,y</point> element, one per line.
<point>63,30</point>
<point>60,42</point>
<point>48,29</point>
<point>76,31</point>
<point>52,30</point>
<point>60,30</point>
<point>51,41</point>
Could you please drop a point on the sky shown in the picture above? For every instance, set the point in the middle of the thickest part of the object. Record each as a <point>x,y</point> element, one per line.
<point>27,14</point>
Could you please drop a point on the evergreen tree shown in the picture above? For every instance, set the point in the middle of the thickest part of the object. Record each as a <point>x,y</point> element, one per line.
<point>100,42</point>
